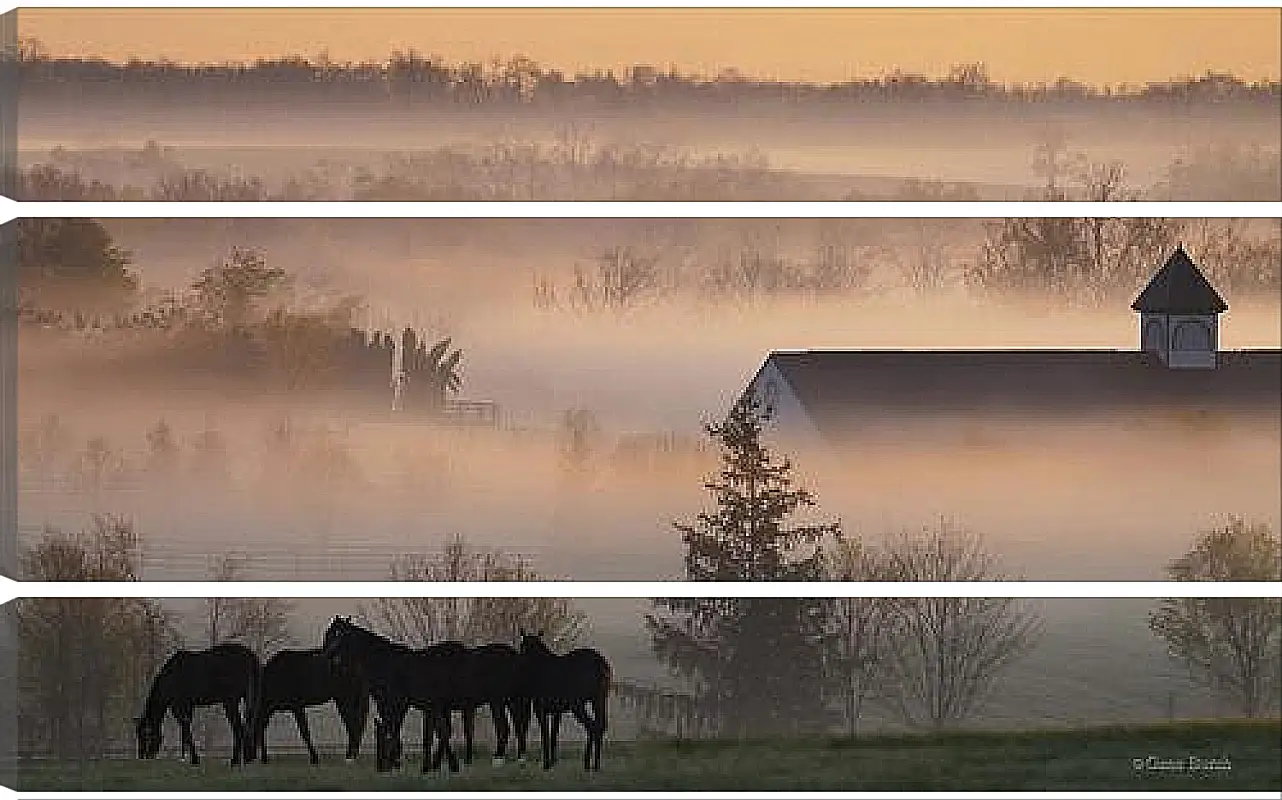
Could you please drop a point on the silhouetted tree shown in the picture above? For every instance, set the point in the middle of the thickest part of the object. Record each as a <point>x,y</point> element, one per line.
<point>580,435</point>
<point>228,293</point>
<point>84,662</point>
<point>260,623</point>
<point>1077,258</point>
<point>1231,645</point>
<point>622,279</point>
<point>162,449</point>
<point>759,662</point>
<point>944,654</point>
<point>426,620</point>
<point>72,262</point>
<point>861,628</point>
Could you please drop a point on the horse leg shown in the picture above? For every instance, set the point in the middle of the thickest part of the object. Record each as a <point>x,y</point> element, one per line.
<point>305,731</point>
<point>554,733</point>
<point>545,737</point>
<point>355,714</point>
<point>430,729</point>
<point>498,713</point>
<point>520,709</point>
<point>188,741</point>
<point>394,736</point>
<point>232,709</point>
<point>260,734</point>
<point>599,712</point>
<point>469,731</point>
<point>444,733</point>
<point>580,712</point>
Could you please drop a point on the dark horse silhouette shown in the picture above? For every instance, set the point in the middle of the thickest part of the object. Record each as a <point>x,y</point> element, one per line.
<point>571,682</point>
<point>401,678</point>
<point>492,676</point>
<point>296,679</point>
<point>226,673</point>
<point>488,675</point>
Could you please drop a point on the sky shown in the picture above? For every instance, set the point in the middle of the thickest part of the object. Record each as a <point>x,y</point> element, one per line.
<point>1097,46</point>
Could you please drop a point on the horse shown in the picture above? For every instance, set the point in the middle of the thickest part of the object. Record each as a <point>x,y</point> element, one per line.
<point>401,678</point>
<point>225,673</point>
<point>490,676</point>
<point>296,679</point>
<point>570,682</point>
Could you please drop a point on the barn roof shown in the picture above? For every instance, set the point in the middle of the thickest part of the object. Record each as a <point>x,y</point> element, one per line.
<point>1179,287</point>
<point>837,386</point>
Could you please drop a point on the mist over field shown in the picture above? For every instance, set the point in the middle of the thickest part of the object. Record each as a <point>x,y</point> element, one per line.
<point>414,127</point>
<point>1103,496</point>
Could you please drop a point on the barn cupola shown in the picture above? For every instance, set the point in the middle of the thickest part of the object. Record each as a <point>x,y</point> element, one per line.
<point>1180,315</point>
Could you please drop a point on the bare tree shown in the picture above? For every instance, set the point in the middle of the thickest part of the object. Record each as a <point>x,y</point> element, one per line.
<point>1231,645</point>
<point>162,449</point>
<point>425,620</point>
<point>100,465</point>
<point>227,294</point>
<point>84,662</point>
<point>259,623</point>
<point>1235,259</point>
<point>860,628</point>
<point>622,279</point>
<point>580,435</point>
<point>946,653</point>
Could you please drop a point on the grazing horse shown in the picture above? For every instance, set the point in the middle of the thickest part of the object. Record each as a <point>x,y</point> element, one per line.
<point>401,678</point>
<point>296,679</point>
<point>557,684</point>
<point>225,673</point>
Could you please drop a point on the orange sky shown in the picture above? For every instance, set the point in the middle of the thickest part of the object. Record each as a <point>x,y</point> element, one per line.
<point>1100,46</point>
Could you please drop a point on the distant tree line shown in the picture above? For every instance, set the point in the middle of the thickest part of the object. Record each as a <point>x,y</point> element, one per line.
<point>411,77</point>
<point>233,319</point>
<point>575,167</point>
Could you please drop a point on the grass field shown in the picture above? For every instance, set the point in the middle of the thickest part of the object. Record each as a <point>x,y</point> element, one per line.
<point>1096,759</point>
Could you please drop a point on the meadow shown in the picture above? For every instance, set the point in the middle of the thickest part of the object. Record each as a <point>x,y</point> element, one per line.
<point>1082,759</point>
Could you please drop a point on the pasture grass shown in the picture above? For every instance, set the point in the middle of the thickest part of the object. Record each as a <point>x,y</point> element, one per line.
<point>1087,759</point>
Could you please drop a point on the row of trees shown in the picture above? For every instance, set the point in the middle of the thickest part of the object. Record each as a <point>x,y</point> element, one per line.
<point>1080,261</point>
<point>236,317</point>
<point>413,76</point>
<point>572,167</point>
<point>569,168</point>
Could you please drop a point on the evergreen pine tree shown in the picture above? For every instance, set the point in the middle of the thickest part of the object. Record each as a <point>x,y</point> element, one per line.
<point>757,662</point>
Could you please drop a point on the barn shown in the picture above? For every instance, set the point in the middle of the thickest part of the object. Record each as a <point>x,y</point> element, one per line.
<point>828,395</point>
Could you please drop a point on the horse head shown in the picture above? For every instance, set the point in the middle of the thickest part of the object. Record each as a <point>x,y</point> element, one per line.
<point>532,644</point>
<point>339,628</point>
